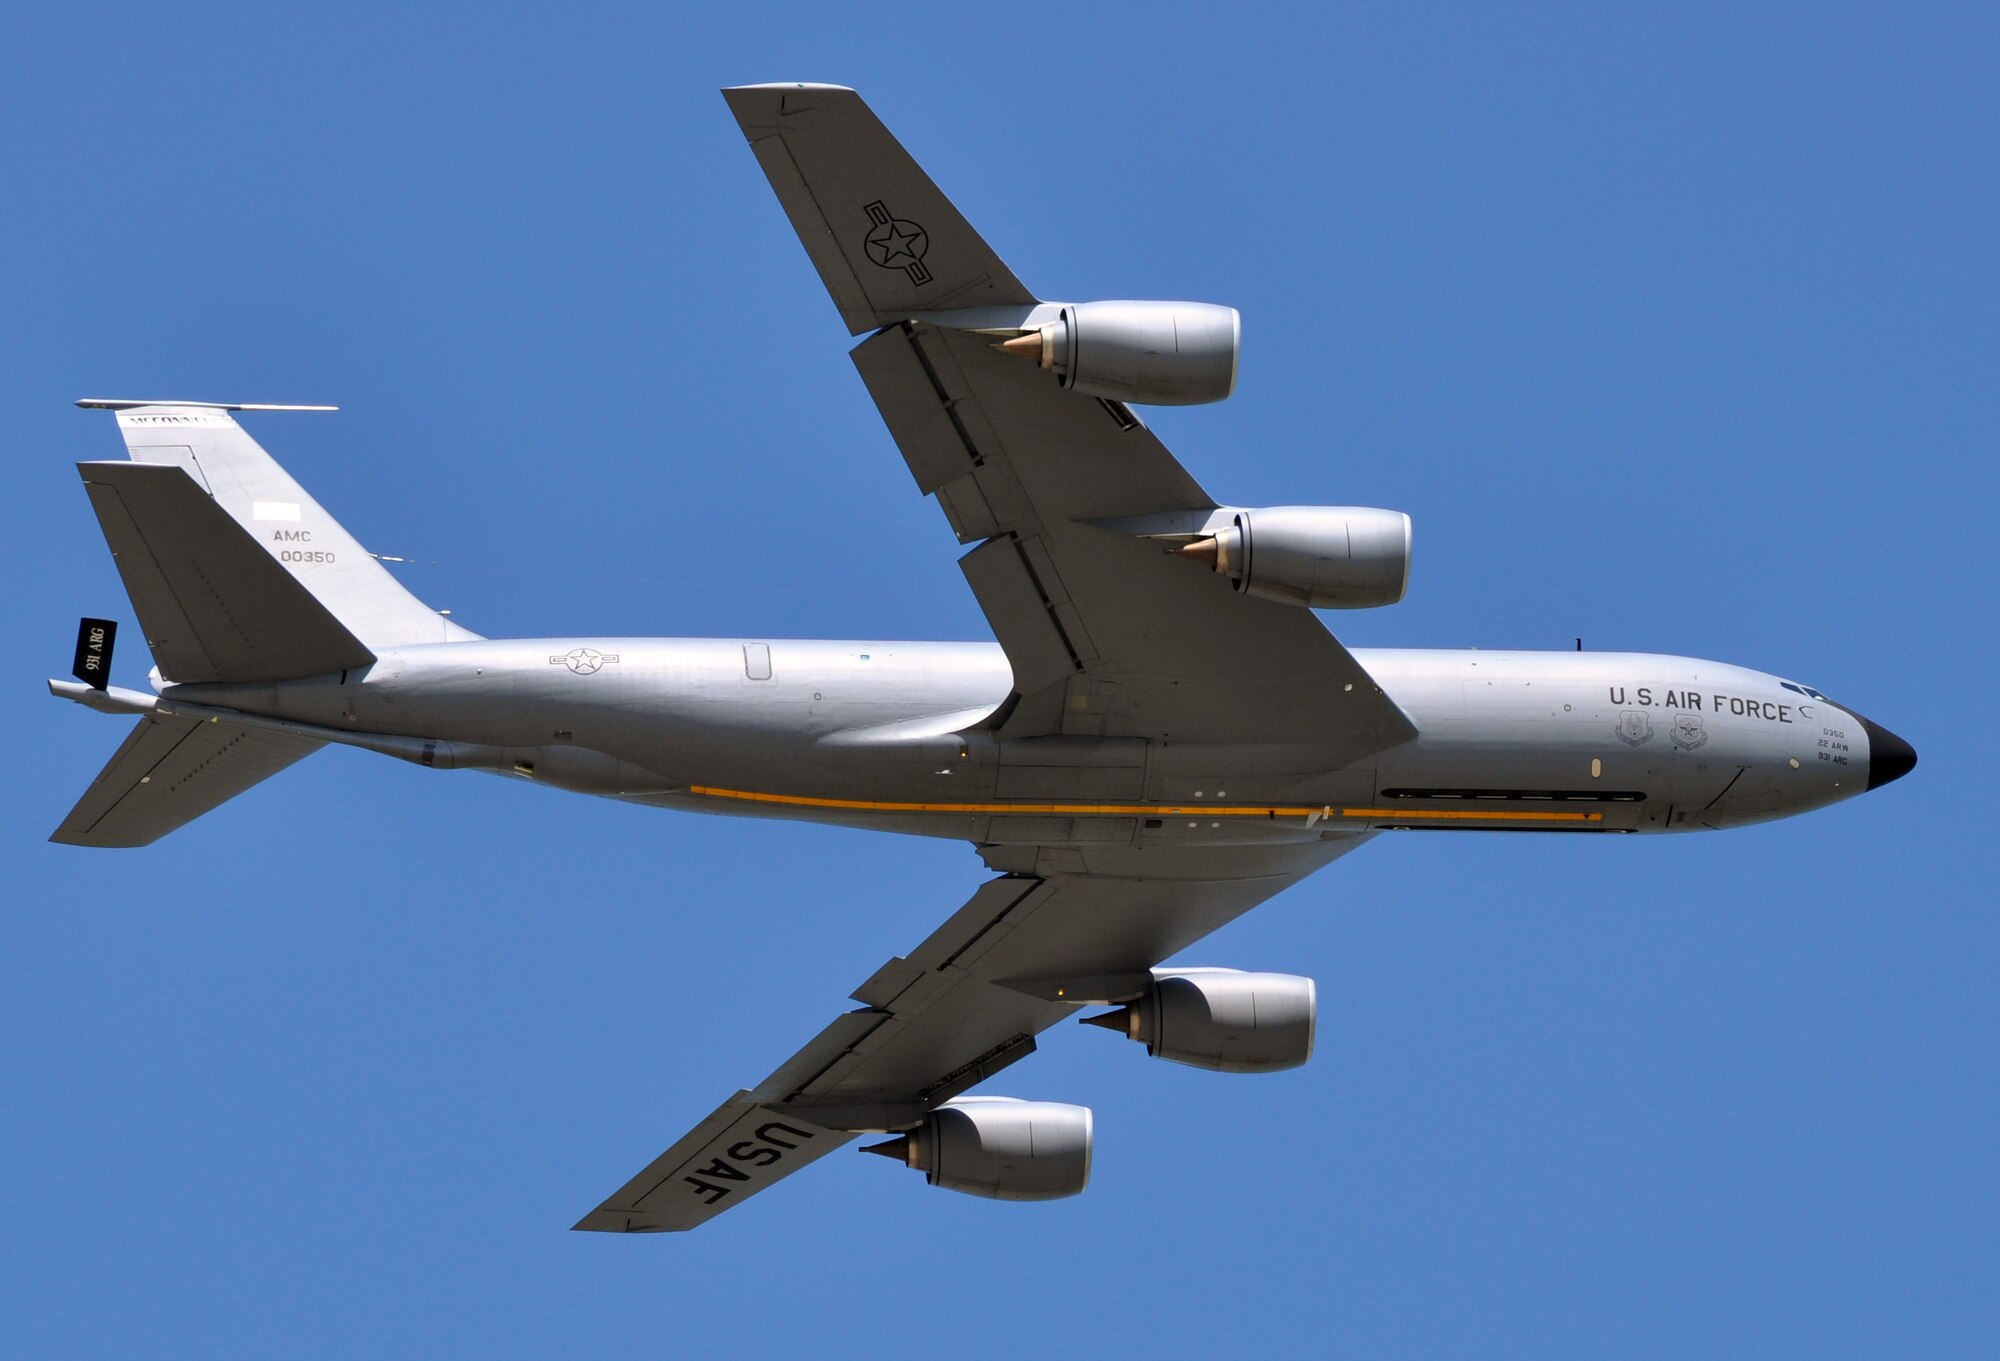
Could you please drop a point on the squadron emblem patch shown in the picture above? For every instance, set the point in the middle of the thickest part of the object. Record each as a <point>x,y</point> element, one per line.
<point>1635,728</point>
<point>1688,731</point>
<point>897,243</point>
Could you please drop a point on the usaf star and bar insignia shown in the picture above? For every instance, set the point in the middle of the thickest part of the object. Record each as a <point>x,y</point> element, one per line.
<point>584,661</point>
<point>896,243</point>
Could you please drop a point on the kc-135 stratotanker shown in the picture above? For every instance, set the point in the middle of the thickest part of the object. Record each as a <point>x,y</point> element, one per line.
<point>1163,736</point>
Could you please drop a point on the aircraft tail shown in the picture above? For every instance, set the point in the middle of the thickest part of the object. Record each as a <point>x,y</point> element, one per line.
<point>236,573</point>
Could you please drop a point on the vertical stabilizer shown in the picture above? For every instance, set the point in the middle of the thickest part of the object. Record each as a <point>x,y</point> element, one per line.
<point>205,441</point>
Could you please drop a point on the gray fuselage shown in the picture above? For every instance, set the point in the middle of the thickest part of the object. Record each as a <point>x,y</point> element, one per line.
<point>896,736</point>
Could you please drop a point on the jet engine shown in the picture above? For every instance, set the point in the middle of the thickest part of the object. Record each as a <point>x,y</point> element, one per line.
<point>999,1147</point>
<point>1153,353</point>
<point>1326,557</point>
<point>1221,1019</point>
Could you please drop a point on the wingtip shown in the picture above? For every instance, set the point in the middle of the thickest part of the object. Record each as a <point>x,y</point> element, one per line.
<point>604,1221</point>
<point>611,1219</point>
<point>765,108</point>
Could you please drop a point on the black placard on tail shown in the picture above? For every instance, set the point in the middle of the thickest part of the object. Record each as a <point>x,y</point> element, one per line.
<point>94,638</point>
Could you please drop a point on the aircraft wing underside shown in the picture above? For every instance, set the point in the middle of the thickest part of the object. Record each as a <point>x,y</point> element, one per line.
<point>1025,952</point>
<point>1108,634</point>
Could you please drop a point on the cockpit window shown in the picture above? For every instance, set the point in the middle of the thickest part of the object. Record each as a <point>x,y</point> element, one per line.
<point>1806,690</point>
<point>1795,689</point>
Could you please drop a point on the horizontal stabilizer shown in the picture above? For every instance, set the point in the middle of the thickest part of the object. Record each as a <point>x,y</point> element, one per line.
<point>134,404</point>
<point>214,605</point>
<point>169,772</point>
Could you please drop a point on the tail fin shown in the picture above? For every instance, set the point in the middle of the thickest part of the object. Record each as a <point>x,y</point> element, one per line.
<point>274,514</point>
<point>236,575</point>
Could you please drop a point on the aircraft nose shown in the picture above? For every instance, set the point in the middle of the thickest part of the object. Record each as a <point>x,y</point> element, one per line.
<point>1889,756</point>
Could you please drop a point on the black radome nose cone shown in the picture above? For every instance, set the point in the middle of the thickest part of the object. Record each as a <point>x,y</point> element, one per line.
<point>1889,756</point>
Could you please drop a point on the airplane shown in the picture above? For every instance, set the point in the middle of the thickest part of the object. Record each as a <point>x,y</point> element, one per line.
<point>1163,735</point>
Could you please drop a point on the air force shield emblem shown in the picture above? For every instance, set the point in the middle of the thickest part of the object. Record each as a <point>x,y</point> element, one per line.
<point>1688,731</point>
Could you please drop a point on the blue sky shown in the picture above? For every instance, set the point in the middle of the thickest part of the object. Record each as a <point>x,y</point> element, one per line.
<point>1672,329</point>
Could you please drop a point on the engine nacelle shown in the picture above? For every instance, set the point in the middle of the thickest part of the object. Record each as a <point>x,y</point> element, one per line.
<point>1326,557</point>
<point>1000,1148</point>
<point>1152,353</point>
<point>1222,1019</point>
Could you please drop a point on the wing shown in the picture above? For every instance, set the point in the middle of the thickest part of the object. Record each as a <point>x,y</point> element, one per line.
<point>883,238</point>
<point>1025,952</point>
<point>1107,634</point>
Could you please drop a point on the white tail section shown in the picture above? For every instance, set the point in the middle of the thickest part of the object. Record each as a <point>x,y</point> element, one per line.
<point>276,511</point>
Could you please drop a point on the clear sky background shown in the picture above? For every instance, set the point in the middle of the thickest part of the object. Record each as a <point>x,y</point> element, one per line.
<point>1673,329</point>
